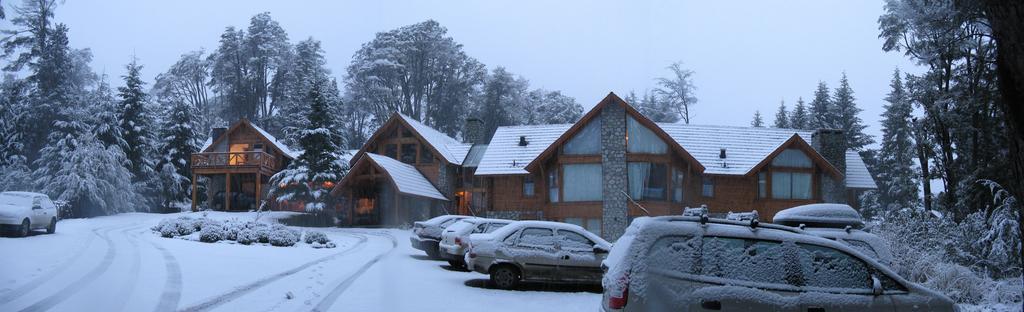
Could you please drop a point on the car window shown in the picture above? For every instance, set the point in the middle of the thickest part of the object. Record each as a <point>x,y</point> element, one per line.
<point>537,237</point>
<point>48,204</point>
<point>750,260</point>
<point>480,228</point>
<point>829,268</point>
<point>511,238</point>
<point>675,253</point>
<point>494,226</point>
<point>36,201</point>
<point>576,241</point>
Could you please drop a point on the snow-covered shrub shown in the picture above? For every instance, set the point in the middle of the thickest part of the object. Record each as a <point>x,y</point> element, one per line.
<point>957,281</point>
<point>169,230</point>
<point>316,237</point>
<point>283,238</point>
<point>185,228</point>
<point>263,234</point>
<point>246,237</point>
<point>211,234</point>
<point>231,229</point>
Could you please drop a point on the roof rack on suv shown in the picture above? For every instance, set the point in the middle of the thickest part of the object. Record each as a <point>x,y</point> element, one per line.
<point>753,224</point>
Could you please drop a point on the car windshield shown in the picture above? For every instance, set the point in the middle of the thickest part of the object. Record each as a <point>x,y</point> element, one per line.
<point>862,247</point>
<point>15,199</point>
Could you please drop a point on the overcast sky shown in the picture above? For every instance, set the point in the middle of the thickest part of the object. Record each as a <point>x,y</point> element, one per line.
<point>746,56</point>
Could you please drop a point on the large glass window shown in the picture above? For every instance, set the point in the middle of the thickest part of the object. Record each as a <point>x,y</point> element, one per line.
<point>586,182</point>
<point>553,185</point>
<point>647,180</point>
<point>791,185</point>
<point>426,156</point>
<point>762,184</point>
<point>641,140</point>
<point>408,153</point>
<point>391,150</point>
<point>587,141</point>
<point>678,180</point>
<point>792,158</point>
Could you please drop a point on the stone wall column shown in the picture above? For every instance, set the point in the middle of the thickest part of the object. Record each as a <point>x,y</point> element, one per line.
<point>831,144</point>
<point>614,217</point>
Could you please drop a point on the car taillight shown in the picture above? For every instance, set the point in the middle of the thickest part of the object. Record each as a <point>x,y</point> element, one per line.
<point>472,255</point>
<point>618,301</point>
<point>458,241</point>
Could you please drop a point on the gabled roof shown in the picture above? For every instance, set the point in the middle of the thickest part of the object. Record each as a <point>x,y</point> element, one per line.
<point>745,147</point>
<point>505,156</point>
<point>210,142</point>
<point>612,99</point>
<point>404,177</point>
<point>451,149</point>
<point>796,142</point>
<point>857,174</point>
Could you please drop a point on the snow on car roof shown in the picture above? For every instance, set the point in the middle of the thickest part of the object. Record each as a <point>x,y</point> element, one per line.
<point>407,179</point>
<point>820,214</point>
<point>514,226</point>
<point>443,218</point>
<point>21,193</point>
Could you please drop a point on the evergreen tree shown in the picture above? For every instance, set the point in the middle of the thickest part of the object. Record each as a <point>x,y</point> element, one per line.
<point>677,92</point>
<point>782,116</point>
<point>135,120</point>
<point>844,113</point>
<point>799,118</point>
<point>821,108</point>
<point>502,101</point>
<point>758,122</point>
<point>309,178</point>
<point>179,139</point>
<point>895,172</point>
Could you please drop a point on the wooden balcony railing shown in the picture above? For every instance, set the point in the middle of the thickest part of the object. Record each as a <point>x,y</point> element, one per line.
<point>234,159</point>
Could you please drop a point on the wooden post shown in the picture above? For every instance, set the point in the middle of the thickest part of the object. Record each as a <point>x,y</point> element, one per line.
<point>259,193</point>
<point>193,192</point>
<point>227,192</point>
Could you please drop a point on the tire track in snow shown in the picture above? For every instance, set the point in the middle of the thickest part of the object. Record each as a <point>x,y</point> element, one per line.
<point>33,284</point>
<point>126,288</point>
<point>244,289</point>
<point>331,297</point>
<point>76,286</point>
<point>171,295</point>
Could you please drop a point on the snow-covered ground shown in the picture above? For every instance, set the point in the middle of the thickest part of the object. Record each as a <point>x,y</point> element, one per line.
<point>116,263</point>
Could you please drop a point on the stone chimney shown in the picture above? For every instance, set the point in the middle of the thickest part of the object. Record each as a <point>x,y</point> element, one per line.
<point>473,132</point>
<point>831,144</point>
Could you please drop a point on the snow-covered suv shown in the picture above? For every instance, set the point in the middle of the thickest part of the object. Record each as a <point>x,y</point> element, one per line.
<point>455,238</point>
<point>26,211</point>
<point>428,233</point>
<point>837,222</point>
<point>698,264</point>
<point>538,251</point>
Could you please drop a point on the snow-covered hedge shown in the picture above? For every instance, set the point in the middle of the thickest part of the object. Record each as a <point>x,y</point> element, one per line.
<point>235,231</point>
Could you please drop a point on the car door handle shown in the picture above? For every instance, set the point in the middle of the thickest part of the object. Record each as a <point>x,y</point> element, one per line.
<point>565,257</point>
<point>711,305</point>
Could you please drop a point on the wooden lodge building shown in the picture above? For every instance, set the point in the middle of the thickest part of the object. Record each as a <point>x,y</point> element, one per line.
<point>612,165</point>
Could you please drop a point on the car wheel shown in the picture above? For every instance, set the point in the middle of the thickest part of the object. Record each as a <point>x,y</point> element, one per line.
<point>53,226</point>
<point>23,231</point>
<point>456,264</point>
<point>505,277</point>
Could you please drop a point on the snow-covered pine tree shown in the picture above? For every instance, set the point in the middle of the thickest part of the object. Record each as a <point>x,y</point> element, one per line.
<point>14,172</point>
<point>178,140</point>
<point>844,112</point>
<point>896,176</point>
<point>821,109</point>
<point>503,101</point>
<point>758,122</point>
<point>308,179</point>
<point>306,65</point>
<point>782,116</point>
<point>551,107</point>
<point>799,118</point>
<point>134,121</point>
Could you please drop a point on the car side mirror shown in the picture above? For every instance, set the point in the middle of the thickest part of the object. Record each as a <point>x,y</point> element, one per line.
<point>876,286</point>
<point>600,250</point>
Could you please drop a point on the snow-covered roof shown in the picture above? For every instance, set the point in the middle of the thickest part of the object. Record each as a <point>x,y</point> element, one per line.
<point>273,140</point>
<point>505,156</point>
<point>475,155</point>
<point>451,149</point>
<point>745,147</point>
<point>857,175</point>
<point>407,179</point>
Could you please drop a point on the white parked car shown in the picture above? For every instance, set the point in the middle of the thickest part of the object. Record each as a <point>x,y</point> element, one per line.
<point>428,233</point>
<point>455,238</point>
<point>26,211</point>
<point>541,251</point>
<point>703,264</point>
<point>837,222</point>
